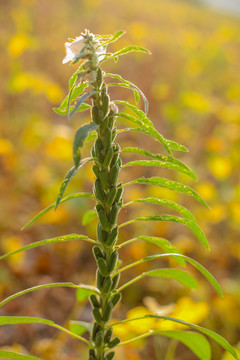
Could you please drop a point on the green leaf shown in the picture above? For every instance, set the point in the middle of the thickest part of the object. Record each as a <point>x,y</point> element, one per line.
<point>43,212</point>
<point>83,293</point>
<point>181,209</point>
<point>189,223</point>
<point>75,77</point>
<point>65,111</point>
<point>160,158</point>
<point>12,355</point>
<point>57,239</point>
<point>219,339</point>
<point>80,287</point>
<point>168,165</point>
<point>164,244</point>
<point>77,90</point>
<point>198,266</point>
<point>146,129</point>
<point>89,216</point>
<point>80,136</point>
<point>170,185</point>
<point>132,87</point>
<point>13,320</point>
<point>130,48</point>
<point>113,38</point>
<point>80,101</point>
<point>176,146</point>
<point>80,327</point>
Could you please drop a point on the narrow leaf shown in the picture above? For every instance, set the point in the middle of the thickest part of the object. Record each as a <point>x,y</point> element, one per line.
<point>65,111</point>
<point>80,327</point>
<point>89,216</point>
<point>12,355</point>
<point>75,77</point>
<point>130,48</point>
<point>181,209</point>
<point>80,136</point>
<point>80,101</point>
<point>171,185</point>
<point>90,289</point>
<point>198,266</point>
<point>73,196</point>
<point>176,146</point>
<point>13,320</point>
<point>113,38</point>
<point>219,339</point>
<point>189,223</point>
<point>175,274</point>
<point>160,158</point>
<point>57,239</point>
<point>77,90</point>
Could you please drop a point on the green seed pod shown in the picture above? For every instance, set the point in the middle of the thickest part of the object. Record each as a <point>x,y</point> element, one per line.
<point>95,115</point>
<point>108,335</point>
<point>101,234</point>
<point>119,162</point>
<point>92,357</point>
<point>94,301</point>
<point>96,328</point>
<point>104,89</point>
<point>107,138</point>
<point>112,237</point>
<point>99,339</point>
<point>111,118</point>
<point>103,179</point>
<point>98,148</point>
<point>119,194</point>
<point>114,342</point>
<point>113,214</point>
<point>98,253</point>
<point>105,104</point>
<point>111,196</point>
<point>96,170</point>
<point>112,261</point>
<point>108,157</point>
<point>99,208</point>
<point>114,160</point>
<point>97,316</point>
<point>99,77</point>
<point>114,133</point>
<point>107,312</point>
<point>109,356</point>
<point>102,267</point>
<point>98,191</point>
<point>100,280</point>
<point>91,352</point>
<point>115,299</point>
<point>113,176</point>
<point>115,281</point>
<point>103,219</point>
<point>105,123</point>
<point>107,284</point>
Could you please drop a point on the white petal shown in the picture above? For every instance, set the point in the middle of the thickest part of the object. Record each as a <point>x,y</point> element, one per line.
<point>69,57</point>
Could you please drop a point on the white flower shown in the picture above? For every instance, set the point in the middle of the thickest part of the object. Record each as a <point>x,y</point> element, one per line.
<point>73,49</point>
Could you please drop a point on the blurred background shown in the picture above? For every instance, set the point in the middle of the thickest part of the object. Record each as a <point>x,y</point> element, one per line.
<point>192,82</point>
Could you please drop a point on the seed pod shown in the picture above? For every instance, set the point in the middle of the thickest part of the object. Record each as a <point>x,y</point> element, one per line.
<point>115,281</point>
<point>100,280</point>
<point>112,261</point>
<point>101,234</point>
<point>112,237</point>
<point>92,357</point>
<point>99,77</point>
<point>105,123</point>
<point>108,138</point>
<point>99,208</point>
<point>119,194</point>
<point>91,352</point>
<point>96,170</point>
<point>97,316</point>
<point>109,356</point>
<point>115,299</point>
<point>98,191</point>
<point>99,339</point>
<point>113,176</point>
<point>98,148</point>
<point>111,196</point>
<point>96,328</point>
<point>107,284</point>
<point>94,301</point>
<point>104,89</point>
<point>98,253</point>
<point>107,312</point>
<point>114,342</point>
<point>105,104</point>
<point>103,219</point>
<point>108,157</point>
<point>119,162</point>
<point>114,133</point>
<point>114,159</point>
<point>103,179</point>
<point>102,267</point>
<point>113,214</point>
<point>108,335</point>
<point>95,115</point>
<point>111,118</point>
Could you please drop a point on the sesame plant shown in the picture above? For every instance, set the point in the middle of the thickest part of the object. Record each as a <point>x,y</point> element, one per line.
<point>88,91</point>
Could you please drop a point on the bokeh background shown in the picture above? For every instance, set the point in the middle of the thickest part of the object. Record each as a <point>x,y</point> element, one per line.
<point>192,81</point>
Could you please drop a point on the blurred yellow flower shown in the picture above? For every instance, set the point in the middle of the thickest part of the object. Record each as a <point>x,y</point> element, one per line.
<point>220,167</point>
